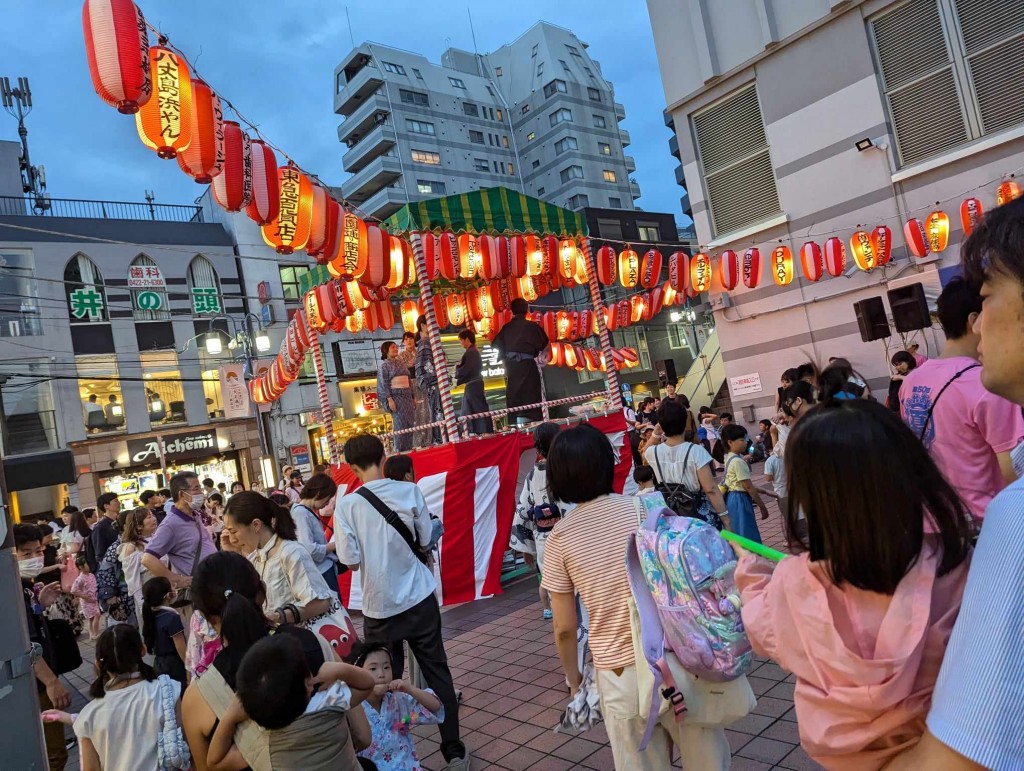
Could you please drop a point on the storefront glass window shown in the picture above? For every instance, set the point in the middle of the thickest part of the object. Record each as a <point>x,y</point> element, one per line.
<point>165,399</point>
<point>210,372</point>
<point>99,388</point>
<point>19,308</point>
<point>28,410</point>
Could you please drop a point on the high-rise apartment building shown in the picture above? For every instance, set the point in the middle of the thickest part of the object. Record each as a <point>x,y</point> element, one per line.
<point>536,115</point>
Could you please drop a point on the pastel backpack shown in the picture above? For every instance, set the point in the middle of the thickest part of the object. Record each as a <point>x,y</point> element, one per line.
<point>681,575</point>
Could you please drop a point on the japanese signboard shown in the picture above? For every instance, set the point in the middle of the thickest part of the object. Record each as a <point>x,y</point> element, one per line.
<point>205,300</point>
<point>233,391</point>
<point>149,300</point>
<point>745,384</point>
<point>370,401</point>
<point>194,444</point>
<point>145,277</point>
<point>87,302</point>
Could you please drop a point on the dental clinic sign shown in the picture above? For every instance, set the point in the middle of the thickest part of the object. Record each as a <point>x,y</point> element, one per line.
<point>194,444</point>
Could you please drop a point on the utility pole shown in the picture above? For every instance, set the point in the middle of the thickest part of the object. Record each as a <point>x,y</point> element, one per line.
<point>21,730</point>
<point>18,103</point>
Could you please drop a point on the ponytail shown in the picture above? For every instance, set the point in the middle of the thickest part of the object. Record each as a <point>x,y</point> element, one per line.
<point>282,522</point>
<point>153,593</point>
<point>119,652</point>
<point>246,506</point>
<point>242,624</point>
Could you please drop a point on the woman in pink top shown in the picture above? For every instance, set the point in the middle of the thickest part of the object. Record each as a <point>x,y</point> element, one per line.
<point>863,613</point>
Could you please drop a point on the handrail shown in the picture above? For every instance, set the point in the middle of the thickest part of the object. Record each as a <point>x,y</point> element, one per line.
<point>44,206</point>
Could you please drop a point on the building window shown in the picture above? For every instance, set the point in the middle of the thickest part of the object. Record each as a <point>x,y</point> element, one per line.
<point>571,172</point>
<point>510,169</point>
<point>99,388</point>
<point>572,49</point>
<point>610,229</point>
<point>560,116</point>
<point>604,148</point>
<point>594,94</point>
<point>490,90</point>
<point>419,127</point>
<point>734,157</point>
<point>480,164</point>
<point>565,67</point>
<point>677,337</point>
<point>533,51</point>
<point>947,83</point>
<point>417,73</point>
<point>609,176</point>
<point>540,191</point>
<point>614,203</point>
<point>530,137</point>
<point>524,109</point>
<point>649,231</point>
<point>476,137</point>
<point>149,300</point>
<point>497,167</point>
<point>28,409</point>
<point>536,164</point>
<point>554,87</point>
<point>501,115</point>
<point>204,287</point>
<point>490,140</point>
<point>308,371</point>
<point>427,157</point>
<point>600,122</point>
<point>83,286</point>
<point>290,277</point>
<point>497,72</point>
<point>165,399</point>
<point>339,82</point>
<point>565,144</point>
<point>430,187</point>
<point>504,141</point>
<point>578,201</point>
<point>540,69</point>
<point>470,109</point>
<point>209,373</point>
<point>391,67</point>
<point>413,97</point>
<point>590,72</point>
<point>457,82</point>
<point>19,306</point>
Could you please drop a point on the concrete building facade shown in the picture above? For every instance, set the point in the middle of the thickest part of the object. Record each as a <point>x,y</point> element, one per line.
<point>536,115</point>
<point>798,120</point>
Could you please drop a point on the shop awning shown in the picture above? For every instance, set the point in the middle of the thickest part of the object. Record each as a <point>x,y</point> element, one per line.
<point>27,472</point>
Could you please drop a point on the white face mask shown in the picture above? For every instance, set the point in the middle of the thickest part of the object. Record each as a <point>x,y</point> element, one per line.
<point>198,500</point>
<point>31,567</point>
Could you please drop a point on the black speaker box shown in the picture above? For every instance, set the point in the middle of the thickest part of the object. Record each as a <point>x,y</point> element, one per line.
<point>871,319</point>
<point>666,369</point>
<point>909,308</point>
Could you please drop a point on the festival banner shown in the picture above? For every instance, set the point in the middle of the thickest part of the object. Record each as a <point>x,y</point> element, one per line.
<point>234,394</point>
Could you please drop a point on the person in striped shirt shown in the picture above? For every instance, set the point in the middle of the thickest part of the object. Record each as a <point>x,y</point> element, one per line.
<point>977,714</point>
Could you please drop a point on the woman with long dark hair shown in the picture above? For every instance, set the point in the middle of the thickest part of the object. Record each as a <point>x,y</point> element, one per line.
<point>421,413</point>
<point>426,376</point>
<point>394,390</point>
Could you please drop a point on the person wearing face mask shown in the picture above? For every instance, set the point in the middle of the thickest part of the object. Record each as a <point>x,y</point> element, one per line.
<point>309,529</point>
<point>181,537</point>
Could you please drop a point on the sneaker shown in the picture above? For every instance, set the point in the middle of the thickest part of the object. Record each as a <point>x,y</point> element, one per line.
<point>547,614</point>
<point>459,764</point>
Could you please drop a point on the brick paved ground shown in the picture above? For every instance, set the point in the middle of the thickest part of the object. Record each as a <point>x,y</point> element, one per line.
<point>502,656</point>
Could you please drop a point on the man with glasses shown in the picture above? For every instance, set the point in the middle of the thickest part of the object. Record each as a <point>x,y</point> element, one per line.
<point>181,537</point>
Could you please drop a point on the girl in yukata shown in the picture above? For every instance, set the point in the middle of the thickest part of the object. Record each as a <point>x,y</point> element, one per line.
<point>394,389</point>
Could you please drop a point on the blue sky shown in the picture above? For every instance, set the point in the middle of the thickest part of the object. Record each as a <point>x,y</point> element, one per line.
<point>274,60</point>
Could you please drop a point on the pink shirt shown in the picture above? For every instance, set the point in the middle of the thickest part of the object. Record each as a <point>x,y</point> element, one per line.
<point>968,427</point>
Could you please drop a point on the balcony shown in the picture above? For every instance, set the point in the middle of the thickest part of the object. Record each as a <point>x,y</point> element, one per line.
<point>630,164</point>
<point>365,117</point>
<point>362,85</point>
<point>373,145</point>
<point>673,147</point>
<point>669,122</point>
<point>634,189</point>
<point>620,111</point>
<point>384,202</point>
<point>44,206</point>
<point>680,177</point>
<point>624,136</point>
<point>371,178</point>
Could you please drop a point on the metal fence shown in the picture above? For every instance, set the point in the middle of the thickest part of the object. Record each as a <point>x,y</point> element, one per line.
<point>103,210</point>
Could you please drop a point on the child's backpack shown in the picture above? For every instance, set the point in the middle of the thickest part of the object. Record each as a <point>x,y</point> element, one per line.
<point>681,575</point>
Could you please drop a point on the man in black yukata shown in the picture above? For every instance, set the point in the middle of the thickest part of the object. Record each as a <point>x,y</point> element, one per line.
<point>470,374</point>
<point>519,343</point>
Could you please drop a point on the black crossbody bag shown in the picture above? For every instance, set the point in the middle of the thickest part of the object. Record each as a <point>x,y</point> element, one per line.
<point>393,520</point>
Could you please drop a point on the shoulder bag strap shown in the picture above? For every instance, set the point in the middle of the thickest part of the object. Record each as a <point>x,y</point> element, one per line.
<point>686,463</point>
<point>199,544</point>
<point>392,519</point>
<point>657,464</point>
<point>928,418</point>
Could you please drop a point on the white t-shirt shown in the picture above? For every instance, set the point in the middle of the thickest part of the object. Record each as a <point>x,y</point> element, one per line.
<point>392,578</point>
<point>776,469</point>
<point>337,695</point>
<point>124,725</point>
<point>670,460</point>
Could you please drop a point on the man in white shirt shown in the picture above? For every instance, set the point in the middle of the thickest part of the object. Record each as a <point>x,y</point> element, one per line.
<point>399,604</point>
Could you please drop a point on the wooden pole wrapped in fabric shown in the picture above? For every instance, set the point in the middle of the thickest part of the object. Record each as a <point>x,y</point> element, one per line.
<point>444,385</point>
<point>614,394</point>
<point>325,402</point>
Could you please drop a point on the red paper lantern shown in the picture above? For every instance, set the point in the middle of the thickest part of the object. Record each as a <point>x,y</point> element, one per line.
<point>458,312</point>
<point>117,46</point>
<point>401,255</point>
<point>549,255</point>
<point>328,312</point>
<point>636,308</point>
<point>623,313</point>
<point>917,240</point>
<point>863,252</point>
<point>504,291</point>
<point>971,212</point>
<point>469,257</point>
<point>835,256</point>
<point>782,265</point>
<point>202,159</point>
<point>448,256</point>
<point>563,325</point>
<point>582,271</point>
<point>349,260</point>
<point>678,272</point>
<point>319,213</point>
<point>534,256</point>
<point>333,225</point>
<point>584,323</point>
<point>356,322</point>
<point>1006,192</point>
<point>411,311</point>
<point>605,260</point>
<point>165,120</point>
<point>440,310</point>
<point>263,205</point>
<point>752,267</point>
<point>504,258</point>
<point>629,268</point>
<point>232,188</point>
<point>568,255</point>
<point>700,272</point>
<point>431,255</point>
<point>378,258</point>
<point>380,315</point>
<point>517,256</point>
<point>881,244</point>
<point>810,261</point>
<point>937,231</point>
<point>611,317</point>
<point>593,359</point>
<point>314,317</point>
<point>527,289</point>
<point>668,294</point>
<point>650,269</point>
<point>549,323</point>
<point>289,231</point>
<point>729,269</point>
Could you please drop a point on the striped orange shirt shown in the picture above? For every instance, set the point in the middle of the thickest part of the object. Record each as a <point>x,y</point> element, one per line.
<point>586,554</point>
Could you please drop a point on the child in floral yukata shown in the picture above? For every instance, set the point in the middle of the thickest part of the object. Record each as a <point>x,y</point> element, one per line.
<point>392,710</point>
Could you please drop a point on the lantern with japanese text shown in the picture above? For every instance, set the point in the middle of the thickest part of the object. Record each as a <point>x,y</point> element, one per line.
<point>549,254</point>
<point>458,313</point>
<point>431,255</point>
<point>203,159</point>
<point>117,46</point>
<point>349,260</point>
<point>835,256</point>
<point>290,230</point>
<point>378,258</point>
<point>629,268</point>
<point>448,256</point>
<point>862,250</point>
<point>584,323</point>
<point>971,212</point>
<point>356,322</point>
<point>527,288</point>
<point>655,302</point>
<point>263,205</point>
<point>650,269</point>
<point>810,261</point>
<point>582,271</point>
<point>916,238</point>
<point>611,317</point>
<point>605,259</point>
<point>593,359</point>
<point>563,325</point>
<point>541,285</point>
<point>881,244</point>
<point>700,273</point>
<point>517,255</point>
<point>232,188</point>
<point>1006,192</point>
<point>669,294</point>
<point>505,290</point>
<point>314,317</point>
<point>411,310</point>
<point>483,299</point>
<point>318,222</point>
<point>678,272</point>
<point>623,313</point>
<point>549,323</point>
<point>937,230</point>
<point>568,254</point>
<point>534,256</point>
<point>165,120</point>
<point>728,269</point>
<point>752,267</point>
<point>469,256</point>
<point>440,310</point>
<point>401,255</point>
<point>483,326</point>
<point>636,307</point>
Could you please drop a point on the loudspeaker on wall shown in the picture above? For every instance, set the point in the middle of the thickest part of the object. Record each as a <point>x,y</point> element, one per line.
<point>871,319</point>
